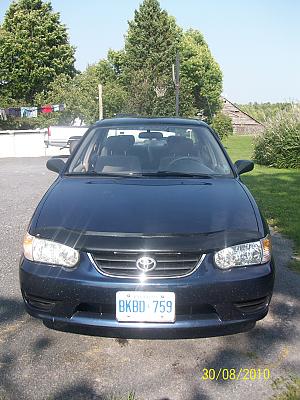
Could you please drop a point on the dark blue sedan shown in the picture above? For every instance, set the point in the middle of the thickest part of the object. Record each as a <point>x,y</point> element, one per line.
<point>148,232</point>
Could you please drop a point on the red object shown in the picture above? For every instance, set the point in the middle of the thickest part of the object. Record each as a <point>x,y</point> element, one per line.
<point>49,131</point>
<point>46,109</point>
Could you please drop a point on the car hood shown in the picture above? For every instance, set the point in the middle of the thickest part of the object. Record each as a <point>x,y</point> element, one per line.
<point>134,212</point>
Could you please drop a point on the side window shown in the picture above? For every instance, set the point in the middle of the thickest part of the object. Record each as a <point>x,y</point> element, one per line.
<point>88,149</point>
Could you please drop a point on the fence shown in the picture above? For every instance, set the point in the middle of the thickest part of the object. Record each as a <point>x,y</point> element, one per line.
<point>26,143</point>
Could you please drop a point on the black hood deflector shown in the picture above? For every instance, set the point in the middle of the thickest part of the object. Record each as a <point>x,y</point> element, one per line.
<point>114,241</point>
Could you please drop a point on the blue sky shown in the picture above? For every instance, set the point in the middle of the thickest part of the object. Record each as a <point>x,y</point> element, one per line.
<point>256,42</point>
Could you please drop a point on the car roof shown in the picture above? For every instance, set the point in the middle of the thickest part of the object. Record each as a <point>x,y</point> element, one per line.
<point>149,121</point>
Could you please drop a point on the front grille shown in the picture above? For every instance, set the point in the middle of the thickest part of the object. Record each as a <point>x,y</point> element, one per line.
<point>168,264</point>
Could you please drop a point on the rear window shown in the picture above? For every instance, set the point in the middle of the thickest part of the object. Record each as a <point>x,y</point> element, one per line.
<point>150,150</point>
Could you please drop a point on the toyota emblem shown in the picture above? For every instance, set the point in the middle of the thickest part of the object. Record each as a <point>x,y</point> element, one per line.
<point>146,264</point>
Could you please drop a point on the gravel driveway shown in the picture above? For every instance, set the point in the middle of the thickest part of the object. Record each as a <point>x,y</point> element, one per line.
<point>37,363</point>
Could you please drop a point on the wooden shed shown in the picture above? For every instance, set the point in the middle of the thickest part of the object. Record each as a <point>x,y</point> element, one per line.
<point>243,123</point>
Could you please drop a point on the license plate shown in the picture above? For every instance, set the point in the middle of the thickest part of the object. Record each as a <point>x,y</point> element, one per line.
<point>145,306</point>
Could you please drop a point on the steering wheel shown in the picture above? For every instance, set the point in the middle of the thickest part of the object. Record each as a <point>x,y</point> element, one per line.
<point>184,158</point>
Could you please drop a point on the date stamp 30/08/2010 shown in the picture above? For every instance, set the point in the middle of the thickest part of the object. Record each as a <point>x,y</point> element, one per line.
<point>233,374</point>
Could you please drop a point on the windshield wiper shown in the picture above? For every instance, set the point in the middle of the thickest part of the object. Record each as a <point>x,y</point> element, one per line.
<point>141,174</point>
<point>177,174</point>
<point>109,174</point>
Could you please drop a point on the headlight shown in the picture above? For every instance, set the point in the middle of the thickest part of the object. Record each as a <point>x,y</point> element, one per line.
<point>46,251</point>
<point>244,254</point>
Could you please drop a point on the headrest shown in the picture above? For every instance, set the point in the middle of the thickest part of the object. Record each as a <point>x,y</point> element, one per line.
<point>180,145</point>
<point>119,144</point>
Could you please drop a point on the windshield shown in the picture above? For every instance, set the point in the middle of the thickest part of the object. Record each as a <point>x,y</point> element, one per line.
<point>159,150</point>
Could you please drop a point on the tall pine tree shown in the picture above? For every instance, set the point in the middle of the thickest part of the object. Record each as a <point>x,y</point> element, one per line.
<point>150,50</point>
<point>34,49</point>
<point>151,44</point>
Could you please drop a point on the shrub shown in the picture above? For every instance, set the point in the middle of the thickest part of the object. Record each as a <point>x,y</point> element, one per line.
<point>279,146</point>
<point>222,125</point>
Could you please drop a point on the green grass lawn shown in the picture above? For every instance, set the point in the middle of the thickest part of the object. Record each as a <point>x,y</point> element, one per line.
<point>287,388</point>
<point>277,191</point>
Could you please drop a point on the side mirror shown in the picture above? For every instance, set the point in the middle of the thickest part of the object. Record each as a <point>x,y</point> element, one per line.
<point>55,165</point>
<point>73,145</point>
<point>243,166</point>
<point>73,142</point>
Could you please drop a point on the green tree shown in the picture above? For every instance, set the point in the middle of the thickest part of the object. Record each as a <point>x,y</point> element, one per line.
<point>150,50</point>
<point>116,60</point>
<point>201,76</point>
<point>80,95</point>
<point>37,66</point>
<point>34,50</point>
<point>151,44</point>
<point>264,112</point>
<point>222,124</point>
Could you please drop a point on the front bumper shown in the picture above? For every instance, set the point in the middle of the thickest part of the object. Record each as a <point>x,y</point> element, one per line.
<point>210,302</point>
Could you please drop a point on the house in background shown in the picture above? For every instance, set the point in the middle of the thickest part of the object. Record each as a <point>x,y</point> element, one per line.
<point>243,123</point>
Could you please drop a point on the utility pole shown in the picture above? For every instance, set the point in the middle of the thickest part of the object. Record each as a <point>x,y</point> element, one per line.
<point>100,89</point>
<point>176,80</point>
